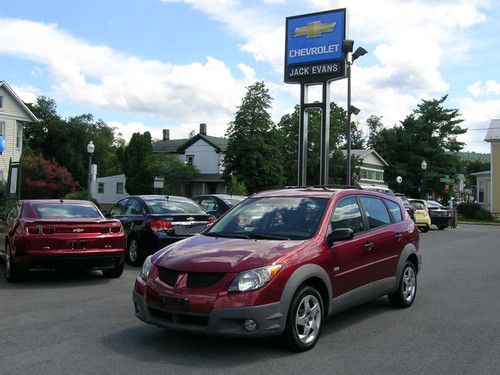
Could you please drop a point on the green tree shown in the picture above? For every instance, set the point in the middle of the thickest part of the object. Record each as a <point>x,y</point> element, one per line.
<point>65,141</point>
<point>289,132</point>
<point>176,174</point>
<point>253,151</point>
<point>236,187</point>
<point>430,134</point>
<point>134,159</point>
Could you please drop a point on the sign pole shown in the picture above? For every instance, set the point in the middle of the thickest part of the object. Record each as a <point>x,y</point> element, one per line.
<point>303,128</point>
<point>325,135</point>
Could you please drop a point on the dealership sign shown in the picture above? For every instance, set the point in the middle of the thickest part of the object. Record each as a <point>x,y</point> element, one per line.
<point>313,49</point>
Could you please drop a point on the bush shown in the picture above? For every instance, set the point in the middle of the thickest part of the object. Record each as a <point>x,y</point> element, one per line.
<point>473,211</point>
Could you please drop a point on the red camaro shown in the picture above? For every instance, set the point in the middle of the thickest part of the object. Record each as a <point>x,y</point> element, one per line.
<point>51,234</point>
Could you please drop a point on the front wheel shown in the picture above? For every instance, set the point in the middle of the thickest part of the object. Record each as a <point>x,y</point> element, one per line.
<point>134,252</point>
<point>304,320</point>
<point>407,289</point>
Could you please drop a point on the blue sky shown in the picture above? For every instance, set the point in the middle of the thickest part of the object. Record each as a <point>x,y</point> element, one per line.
<point>153,64</point>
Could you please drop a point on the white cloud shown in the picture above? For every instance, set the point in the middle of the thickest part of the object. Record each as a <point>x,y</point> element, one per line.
<point>98,76</point>
<point>492,87</point>
<point>26,93</point>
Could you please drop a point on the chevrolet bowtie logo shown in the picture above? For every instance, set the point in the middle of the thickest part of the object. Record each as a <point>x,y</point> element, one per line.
<point>314,29</point>
<point>77,230</point>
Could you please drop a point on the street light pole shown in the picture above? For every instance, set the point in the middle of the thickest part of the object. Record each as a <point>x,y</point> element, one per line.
<point>424,167</point>
<point>90,151</point>
<point>350,58</point>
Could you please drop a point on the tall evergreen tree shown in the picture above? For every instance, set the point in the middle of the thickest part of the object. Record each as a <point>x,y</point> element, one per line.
<point>430,134</point>
<point>253,152</point>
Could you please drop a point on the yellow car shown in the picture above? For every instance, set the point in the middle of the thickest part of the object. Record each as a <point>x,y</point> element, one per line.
<point>422,218</point>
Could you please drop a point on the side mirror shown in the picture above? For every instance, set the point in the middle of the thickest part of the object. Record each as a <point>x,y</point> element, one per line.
<point>340,234</point>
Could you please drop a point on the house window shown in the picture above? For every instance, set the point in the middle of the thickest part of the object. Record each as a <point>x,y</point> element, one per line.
<point>119,188</point>
<point>2,129</point>
<point>19,135</point>
<point>190,159</point>
<point>1,102</point>
<point>100,187</point>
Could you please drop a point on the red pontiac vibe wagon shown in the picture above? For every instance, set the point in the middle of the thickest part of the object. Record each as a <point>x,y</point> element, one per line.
<point>280,263</point>
<point>51,234</point>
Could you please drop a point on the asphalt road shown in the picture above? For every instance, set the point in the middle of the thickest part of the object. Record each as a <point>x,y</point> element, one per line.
<point>84,324</point>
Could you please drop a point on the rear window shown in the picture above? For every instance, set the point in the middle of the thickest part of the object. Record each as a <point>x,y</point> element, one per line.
<point>57,210</point>
<point>233,201</point>
<point>395,210</point>
<point>163,206</point>
<point>418,205</point>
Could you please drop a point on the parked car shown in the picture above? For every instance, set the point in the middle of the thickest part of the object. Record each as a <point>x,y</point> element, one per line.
<point>422,218</point>
<point>154,221</point>
<point>441,216</point>
<point>406,203</point>
<point>52,234</point>
<point>218,204</point>
<point>280,263</point>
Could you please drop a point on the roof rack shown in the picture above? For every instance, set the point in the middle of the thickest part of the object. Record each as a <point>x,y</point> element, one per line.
<point>322,187</point>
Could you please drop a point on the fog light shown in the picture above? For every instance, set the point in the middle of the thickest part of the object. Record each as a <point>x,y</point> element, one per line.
<point>250,325</point>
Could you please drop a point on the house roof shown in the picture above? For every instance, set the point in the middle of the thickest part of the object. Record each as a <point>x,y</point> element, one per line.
<point>18,100</point>
<point>482,173</point>
<point>180,145</point>
<point>493,133</point>
<point>362,153</point>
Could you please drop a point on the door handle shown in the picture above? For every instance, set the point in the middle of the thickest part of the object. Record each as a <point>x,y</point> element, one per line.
<point>398,236</point>
<point>368,245</point>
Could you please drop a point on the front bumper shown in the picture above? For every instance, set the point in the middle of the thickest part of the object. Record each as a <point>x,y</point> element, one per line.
<point>270,321</point>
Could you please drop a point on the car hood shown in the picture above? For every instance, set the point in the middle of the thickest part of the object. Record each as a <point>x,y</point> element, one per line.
<point>211,254</point>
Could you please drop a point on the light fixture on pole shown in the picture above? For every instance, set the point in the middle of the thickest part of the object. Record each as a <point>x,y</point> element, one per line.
<point>90,151</point>
<point>347,47</point>
<point>424,167</point>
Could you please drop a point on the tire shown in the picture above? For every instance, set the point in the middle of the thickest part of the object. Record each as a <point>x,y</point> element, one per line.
<point>407,289</point>
<point>12,272</point>
<point>116,271</point>
<point>442,227</point>
<point>305,319</point>
<point>134,253</point>
<point>424,229</point>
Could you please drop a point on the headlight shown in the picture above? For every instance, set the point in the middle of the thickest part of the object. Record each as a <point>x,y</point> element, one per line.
<point>146,268</point>
<point>254,279</point>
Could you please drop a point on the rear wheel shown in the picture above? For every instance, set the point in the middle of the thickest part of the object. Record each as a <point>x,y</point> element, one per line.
<point>304,320</point>
<point>116,271</point>
<point>133,252</point>
<point>12,272</point>
<point>407,289</point>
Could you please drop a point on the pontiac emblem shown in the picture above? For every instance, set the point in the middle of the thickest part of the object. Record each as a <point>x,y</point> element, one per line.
<point>314,29</point>
<point>77,230</point>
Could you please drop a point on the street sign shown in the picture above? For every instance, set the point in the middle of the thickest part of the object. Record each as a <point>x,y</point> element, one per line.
<point>447,179</point>
<point>158,182</point>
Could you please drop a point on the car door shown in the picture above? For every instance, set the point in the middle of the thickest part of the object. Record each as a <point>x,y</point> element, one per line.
<point>352,270</point>
<point>385,237</point>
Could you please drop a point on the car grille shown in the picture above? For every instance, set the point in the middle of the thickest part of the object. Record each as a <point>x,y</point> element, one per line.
<point>200,280</point>
<point>194,279</point>
<point>168,276</point>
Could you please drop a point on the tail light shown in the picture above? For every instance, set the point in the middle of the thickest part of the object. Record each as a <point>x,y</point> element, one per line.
<point>157,225</point>
<point>210,222</point>
<point>113,229</point>
<point>40,230</point>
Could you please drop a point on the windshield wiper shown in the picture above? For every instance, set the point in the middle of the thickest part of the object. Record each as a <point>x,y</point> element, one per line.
<point>264,236</point>
<point>226,235</point>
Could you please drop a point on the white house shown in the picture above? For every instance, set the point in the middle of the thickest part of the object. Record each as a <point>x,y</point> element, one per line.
<point>204,152</point>
<point>109,190</point>
<point>13,115</point>
<point>371,170</point>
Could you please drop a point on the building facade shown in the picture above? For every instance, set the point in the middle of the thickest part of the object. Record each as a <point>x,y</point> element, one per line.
<point>371,170</point>
<point>204,152</point>
<point>13,115</point>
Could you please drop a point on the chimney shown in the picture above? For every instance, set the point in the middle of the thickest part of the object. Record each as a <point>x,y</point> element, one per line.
<point>166,134</point>
<point>203,129</point>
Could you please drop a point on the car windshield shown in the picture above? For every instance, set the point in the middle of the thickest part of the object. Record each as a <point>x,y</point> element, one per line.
<point>58,210</point>
<point>172,206</point>
<point>233,201</point>
<point>434,204</point>
<point>273,218</point>
<point>418,205</point>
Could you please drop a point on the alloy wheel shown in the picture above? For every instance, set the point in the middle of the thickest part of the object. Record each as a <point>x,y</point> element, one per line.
<point>308,319</point>
<point>409,282</point>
